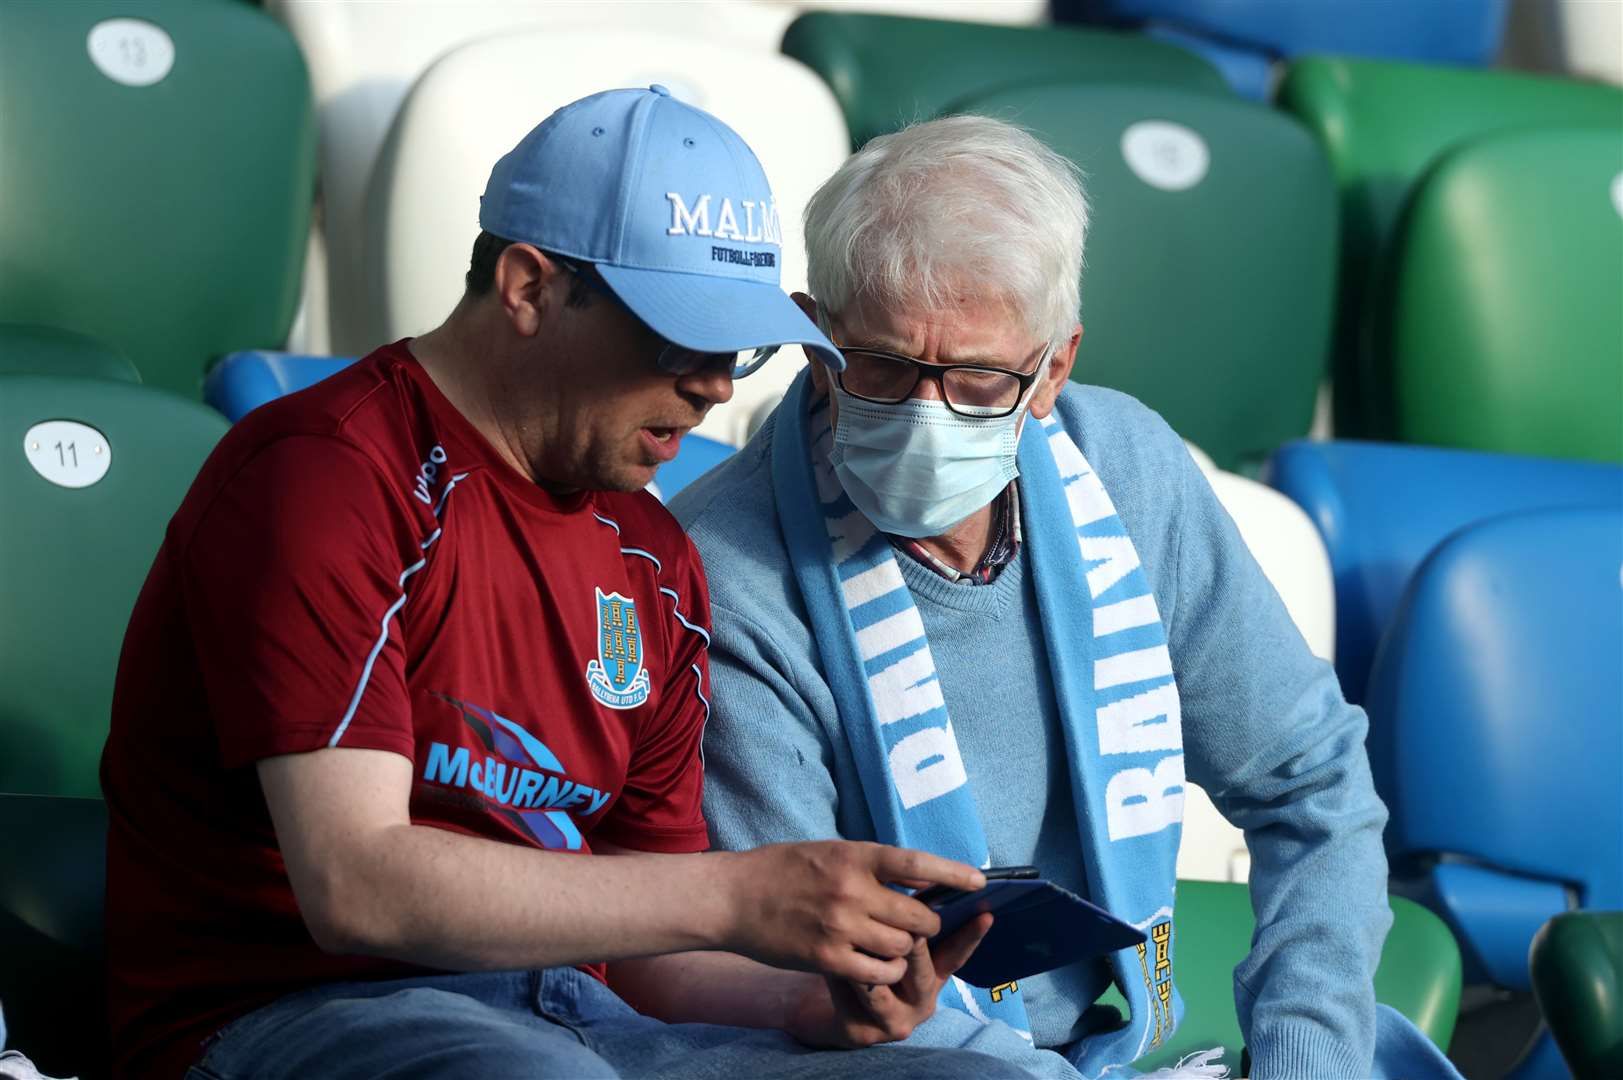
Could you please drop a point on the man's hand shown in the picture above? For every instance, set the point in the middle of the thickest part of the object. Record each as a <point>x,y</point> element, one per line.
<point>826,907</point>
<point>853,1015</point>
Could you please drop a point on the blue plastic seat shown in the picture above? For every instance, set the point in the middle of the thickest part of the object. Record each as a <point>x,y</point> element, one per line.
<point>1382,508</point>
<point>1248,71</point>
<point>244,381</point>
<point>1496,728</point>
<point>1438,31</point>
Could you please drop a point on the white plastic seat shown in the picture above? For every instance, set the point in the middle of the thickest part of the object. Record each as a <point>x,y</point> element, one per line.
<point>1583,40</point>
<point>475,103</point>
<point>1291,553</point>
<point>364,57</point>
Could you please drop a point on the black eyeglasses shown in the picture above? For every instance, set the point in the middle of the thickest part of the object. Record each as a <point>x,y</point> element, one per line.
<point>673,359</point>
<point>973,390</point>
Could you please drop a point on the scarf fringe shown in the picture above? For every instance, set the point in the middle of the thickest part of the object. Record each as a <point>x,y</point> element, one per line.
<point>1201,1065</point>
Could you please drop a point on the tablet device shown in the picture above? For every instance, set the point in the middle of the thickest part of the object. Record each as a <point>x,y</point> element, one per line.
<point>1037,926</point>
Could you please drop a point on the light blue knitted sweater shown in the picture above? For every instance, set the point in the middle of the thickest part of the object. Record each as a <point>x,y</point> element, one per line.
<point>1266,733</point>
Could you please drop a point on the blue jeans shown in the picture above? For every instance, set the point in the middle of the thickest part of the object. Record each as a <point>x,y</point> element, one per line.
<point>519,1024</point>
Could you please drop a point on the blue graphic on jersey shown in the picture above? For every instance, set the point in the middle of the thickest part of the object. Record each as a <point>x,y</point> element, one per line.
<point>617,677</point>
<point>528,796</point>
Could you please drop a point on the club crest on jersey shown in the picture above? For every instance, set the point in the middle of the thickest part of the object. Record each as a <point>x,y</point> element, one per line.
<point>617,677</point>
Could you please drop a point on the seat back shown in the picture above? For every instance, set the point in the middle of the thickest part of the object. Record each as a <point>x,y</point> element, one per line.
<point>1209,259</point>
<point>1503,326</point>
<point>1383,124</point>
<point>473,105</point>
<point>889,70</point>
<point>52,884</point>
<point>159,170</point>
<point>1382,508</point>
<point>34,350</point>
<point>1496,697</point>
<point>72,558</point>
<point>242,382</point>
<point>1577,962</point>
<point>364,58</point>
<point>1212,925</point>
<point>1441,31</point>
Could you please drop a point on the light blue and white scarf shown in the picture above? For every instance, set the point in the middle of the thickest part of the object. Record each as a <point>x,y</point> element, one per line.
<point>1117,698</point>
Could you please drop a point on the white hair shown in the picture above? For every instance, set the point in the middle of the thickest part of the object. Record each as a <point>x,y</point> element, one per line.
<point>964,208</point>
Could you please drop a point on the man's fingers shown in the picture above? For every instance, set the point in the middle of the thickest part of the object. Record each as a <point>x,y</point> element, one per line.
<point>921,981</point>
<point>956,950</point>
<point>882,940</point>
<point>908,865</point>
<point>906,914</point>
<point>861,1011</point>
<point>862,968</point>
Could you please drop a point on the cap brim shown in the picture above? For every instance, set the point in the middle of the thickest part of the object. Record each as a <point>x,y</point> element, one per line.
<point>714,314</point>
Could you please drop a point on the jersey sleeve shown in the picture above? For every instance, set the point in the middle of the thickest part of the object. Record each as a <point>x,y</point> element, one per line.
<point>292,582</point>
<point>659,808</point>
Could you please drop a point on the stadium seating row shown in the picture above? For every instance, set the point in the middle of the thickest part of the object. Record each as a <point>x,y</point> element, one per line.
<point>1492,585</point>
<point>1234,294</point>
<point>1246,39</point>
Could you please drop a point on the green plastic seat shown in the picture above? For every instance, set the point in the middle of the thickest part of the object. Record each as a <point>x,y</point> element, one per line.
<point>167,219</point>
<point>45,350</point>
<point>890,70</point>
<point>1503,326</point>
<point>1206,295</point>
<point>1419,973</point>
<point>52,883</point>
<point>72,560</point>
<point>1577,967</point>
<point>1383,124</point>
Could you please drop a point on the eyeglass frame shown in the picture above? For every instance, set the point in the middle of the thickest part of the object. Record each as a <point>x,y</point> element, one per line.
<point>924,369</point>
<point>587,272</point>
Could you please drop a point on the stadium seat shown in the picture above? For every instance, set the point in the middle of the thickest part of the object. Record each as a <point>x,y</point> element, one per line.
<point>243,381</point>
<point>45,350</point>
<point>1439,31</point>
<point>364,57</point>
<point>1502,326</point>
<point>159,170</point>
<point>1496,724</point>
<point>474,104</point>
<point>52,881</point>
<point>86,504</point>
<point>1249,72</point>
<point>1381,509</point>
<point>1577,965</point>
<point>1210,257</point>
<point>1384,124</point>
<point>889,70</point>
<point>1419,973</point>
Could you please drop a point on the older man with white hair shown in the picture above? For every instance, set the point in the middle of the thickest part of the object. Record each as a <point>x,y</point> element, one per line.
<point>950,528</point>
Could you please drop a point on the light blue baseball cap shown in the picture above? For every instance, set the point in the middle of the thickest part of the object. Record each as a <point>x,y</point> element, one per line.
<point>672,208</point>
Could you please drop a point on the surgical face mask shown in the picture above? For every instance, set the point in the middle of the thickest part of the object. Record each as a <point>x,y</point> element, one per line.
<point>917,468</point>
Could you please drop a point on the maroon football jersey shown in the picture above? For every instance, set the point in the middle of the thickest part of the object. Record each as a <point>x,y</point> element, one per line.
<point>355,566</point>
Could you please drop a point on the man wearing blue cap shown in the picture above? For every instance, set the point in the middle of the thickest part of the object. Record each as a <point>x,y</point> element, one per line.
<point>417,642</point>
